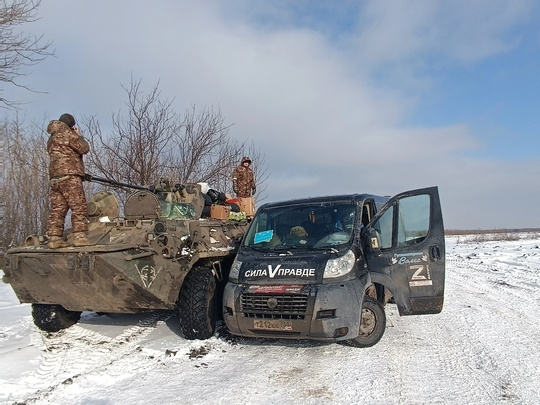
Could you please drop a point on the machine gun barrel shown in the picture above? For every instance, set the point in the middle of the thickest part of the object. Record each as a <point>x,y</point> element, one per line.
<point>89,177</point>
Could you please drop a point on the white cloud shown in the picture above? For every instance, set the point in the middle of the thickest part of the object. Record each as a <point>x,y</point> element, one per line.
<point>326,125</point>
<point>462,31</point>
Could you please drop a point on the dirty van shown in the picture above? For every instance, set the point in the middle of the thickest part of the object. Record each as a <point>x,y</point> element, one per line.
<point>324,268</point>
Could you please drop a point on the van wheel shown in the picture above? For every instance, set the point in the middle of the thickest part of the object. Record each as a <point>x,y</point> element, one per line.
<point>52,317</point>
<point>372,324</point>
<point>197,304</point>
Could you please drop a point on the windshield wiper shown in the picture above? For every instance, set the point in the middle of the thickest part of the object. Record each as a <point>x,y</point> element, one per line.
<point>327,249</point>
<point>258,249</point>
<point>284,250</point>
<point>286,253</point>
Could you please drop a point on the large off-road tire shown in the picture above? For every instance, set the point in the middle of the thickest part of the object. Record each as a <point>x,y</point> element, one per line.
<point>372,324</point>
<point>52,318</point>
<point>198,304</point>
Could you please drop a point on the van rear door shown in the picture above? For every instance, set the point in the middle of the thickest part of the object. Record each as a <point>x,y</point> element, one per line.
<point>405,251</point>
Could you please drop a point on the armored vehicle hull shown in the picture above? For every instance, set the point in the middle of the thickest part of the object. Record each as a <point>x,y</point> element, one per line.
<point>160,256</point>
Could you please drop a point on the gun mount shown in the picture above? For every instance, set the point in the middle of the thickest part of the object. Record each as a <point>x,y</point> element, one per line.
<point>90,177</point>
<point>160,254</point>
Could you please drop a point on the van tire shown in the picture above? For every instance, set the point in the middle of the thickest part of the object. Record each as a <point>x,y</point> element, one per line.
<point>372,324</point>
<point>197,304</point>
<point>53,317</point>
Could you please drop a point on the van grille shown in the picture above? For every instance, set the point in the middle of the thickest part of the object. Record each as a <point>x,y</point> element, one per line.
<point>292,306</point>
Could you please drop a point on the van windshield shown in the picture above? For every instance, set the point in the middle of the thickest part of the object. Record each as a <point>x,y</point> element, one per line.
<point>305,226</point>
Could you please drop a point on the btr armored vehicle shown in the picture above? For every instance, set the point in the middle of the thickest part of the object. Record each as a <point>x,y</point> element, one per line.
<point>323,268</point>
<point>160,255</point>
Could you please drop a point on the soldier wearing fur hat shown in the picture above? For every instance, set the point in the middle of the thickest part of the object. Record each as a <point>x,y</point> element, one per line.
<point>66,147</point>
<point>243,179</point>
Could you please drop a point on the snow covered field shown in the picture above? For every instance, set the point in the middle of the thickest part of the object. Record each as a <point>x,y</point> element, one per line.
<point>482,349</point>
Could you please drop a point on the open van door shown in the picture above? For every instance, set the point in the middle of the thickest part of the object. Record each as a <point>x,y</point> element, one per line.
<point>405,251</point>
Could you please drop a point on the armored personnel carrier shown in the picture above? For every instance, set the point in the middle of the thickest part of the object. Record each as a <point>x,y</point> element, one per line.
<point>160,255</point>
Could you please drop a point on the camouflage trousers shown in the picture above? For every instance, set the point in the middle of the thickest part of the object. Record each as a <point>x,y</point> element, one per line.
<point>66,194</point>
<point>244,192</point>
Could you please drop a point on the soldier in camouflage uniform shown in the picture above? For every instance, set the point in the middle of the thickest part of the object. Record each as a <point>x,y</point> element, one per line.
<point>66,148</point>
<point>243,179</point>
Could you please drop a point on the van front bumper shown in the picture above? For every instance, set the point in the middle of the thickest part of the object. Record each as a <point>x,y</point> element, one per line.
<point>327,312</point>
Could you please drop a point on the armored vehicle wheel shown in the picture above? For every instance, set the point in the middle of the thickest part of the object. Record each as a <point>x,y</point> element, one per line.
<point>372,324</point>
<point>198,304</point>
<point>52,318</point>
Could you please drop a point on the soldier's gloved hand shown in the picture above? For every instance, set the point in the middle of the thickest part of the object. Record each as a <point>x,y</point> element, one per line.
<point>254,191</point>
<point>87,177</point>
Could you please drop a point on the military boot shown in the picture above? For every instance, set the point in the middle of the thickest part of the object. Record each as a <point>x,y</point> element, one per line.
<point>80,239</point>
<point>56,242</point>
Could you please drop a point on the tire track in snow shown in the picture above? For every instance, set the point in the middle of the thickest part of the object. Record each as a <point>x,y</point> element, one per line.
<point>496,306</point>
<point>77,352</point>
<point>410,359</point>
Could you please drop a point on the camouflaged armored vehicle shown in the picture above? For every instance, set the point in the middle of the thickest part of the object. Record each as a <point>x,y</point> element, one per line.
<point>160,255</point>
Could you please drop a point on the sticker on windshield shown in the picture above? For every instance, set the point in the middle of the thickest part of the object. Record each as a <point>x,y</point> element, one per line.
<point>265,236</point>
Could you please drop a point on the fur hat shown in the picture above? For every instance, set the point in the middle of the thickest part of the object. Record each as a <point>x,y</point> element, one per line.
<point>67,119</point>
<point>299,231</point>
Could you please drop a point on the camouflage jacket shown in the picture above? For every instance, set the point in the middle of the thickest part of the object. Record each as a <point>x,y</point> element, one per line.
<point>65,148</point>
<point>243,181</point>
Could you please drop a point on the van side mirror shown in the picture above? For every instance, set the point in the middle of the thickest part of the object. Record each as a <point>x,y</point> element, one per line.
<point>374,240</point>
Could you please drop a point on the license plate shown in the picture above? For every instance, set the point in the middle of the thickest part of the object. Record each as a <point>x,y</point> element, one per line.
<point>272,325</point>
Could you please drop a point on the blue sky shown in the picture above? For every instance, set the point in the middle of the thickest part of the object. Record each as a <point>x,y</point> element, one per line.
<point>341,96</point>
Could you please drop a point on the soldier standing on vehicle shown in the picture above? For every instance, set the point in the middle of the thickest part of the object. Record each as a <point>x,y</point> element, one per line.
<point>243,179</point>
<point>66,147</point>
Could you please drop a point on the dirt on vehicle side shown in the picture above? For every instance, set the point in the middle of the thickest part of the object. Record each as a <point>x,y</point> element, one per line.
<point>160,255</point>
<point>322,268</point>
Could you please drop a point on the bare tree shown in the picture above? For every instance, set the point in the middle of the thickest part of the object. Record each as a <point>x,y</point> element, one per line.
<point>153,141</point>
<point>25,183</point>
<point>17,49</point>
<point>204,151</point>
<point>140,144</point>
<point>150,142</point>
<point>3,159</point>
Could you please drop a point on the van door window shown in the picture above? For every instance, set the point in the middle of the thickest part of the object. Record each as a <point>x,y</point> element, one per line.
<point>384,228</point>
<point>413,223</point>
<point>366,213</point>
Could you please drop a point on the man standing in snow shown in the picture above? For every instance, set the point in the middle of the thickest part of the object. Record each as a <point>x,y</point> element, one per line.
<point>243,179</point>
<point>66,148</point>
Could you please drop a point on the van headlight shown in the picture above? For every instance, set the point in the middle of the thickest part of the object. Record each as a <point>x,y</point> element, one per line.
<point>339,266</point>
<point>235,270</point>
